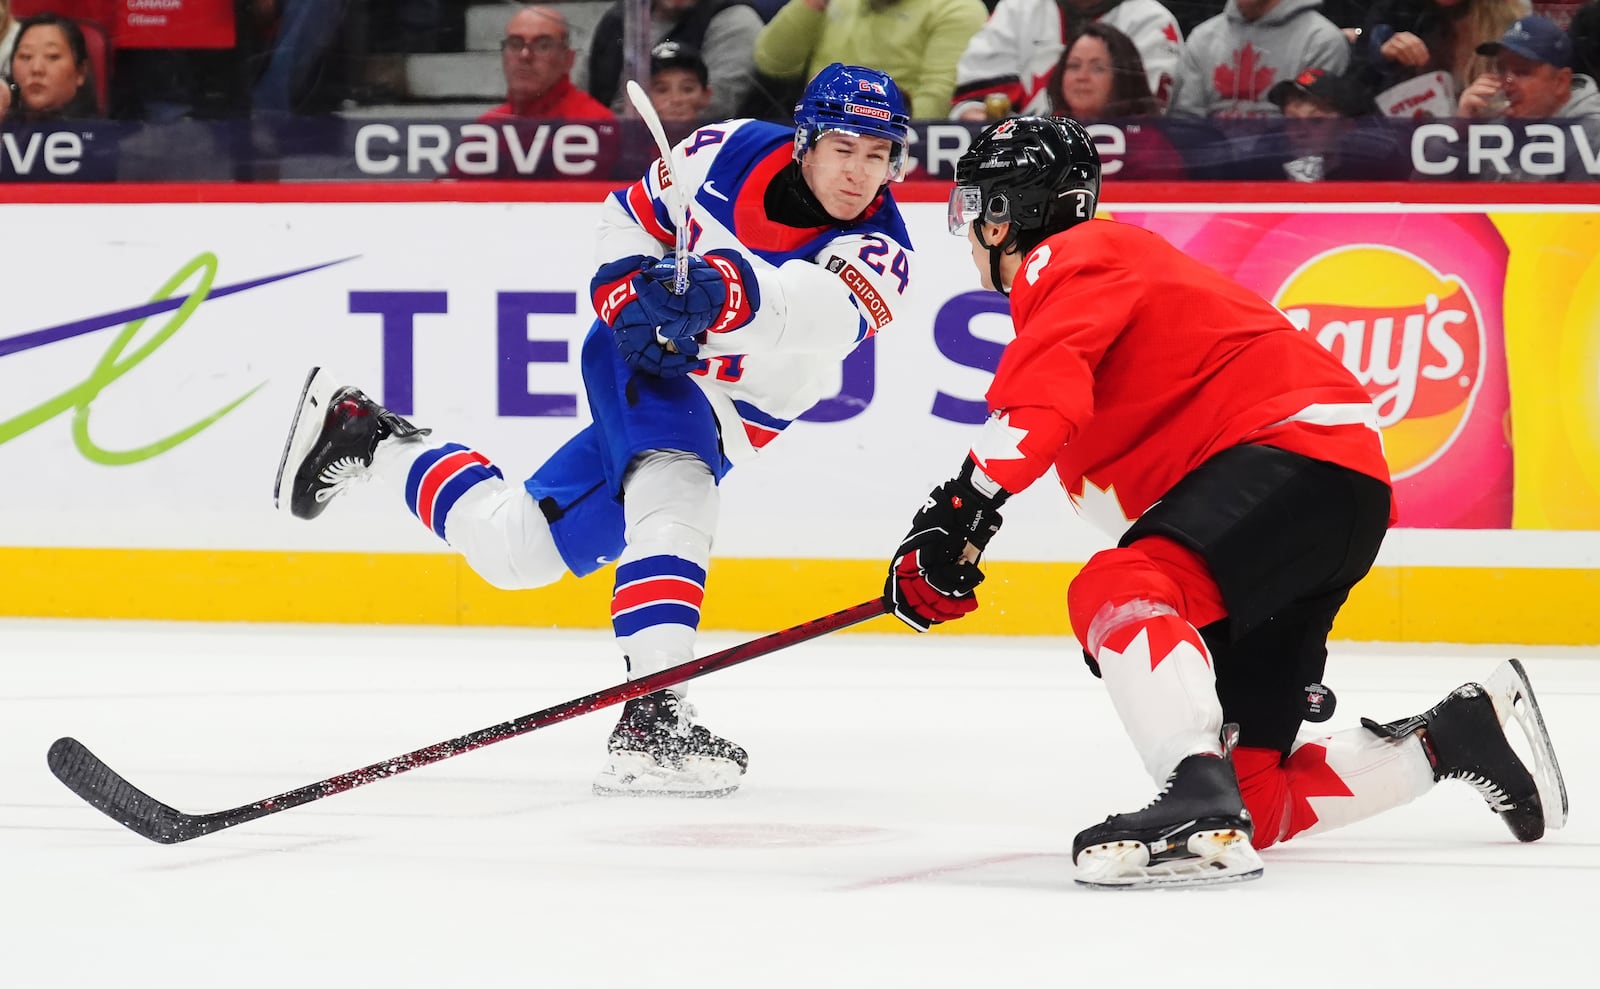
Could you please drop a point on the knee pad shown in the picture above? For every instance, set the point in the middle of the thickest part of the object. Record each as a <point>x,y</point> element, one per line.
<point>1111,580</point>
<point>670,501</point>
<point>1156,570</point>
<point>501,533</point>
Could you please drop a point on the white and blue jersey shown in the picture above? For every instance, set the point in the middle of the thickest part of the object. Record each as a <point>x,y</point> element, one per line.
<point>637,486</point>
<point>823,289</point>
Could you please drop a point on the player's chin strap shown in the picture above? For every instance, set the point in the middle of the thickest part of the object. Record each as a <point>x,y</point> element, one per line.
<point>996,252</point>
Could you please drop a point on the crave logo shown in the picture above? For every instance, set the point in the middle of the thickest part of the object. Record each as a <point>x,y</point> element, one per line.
<point>175,302</point>
<point>1412,335</point>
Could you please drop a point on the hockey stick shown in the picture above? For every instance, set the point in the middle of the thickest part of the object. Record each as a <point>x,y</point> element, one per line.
<point>680,196</point>
<point>99,785</point>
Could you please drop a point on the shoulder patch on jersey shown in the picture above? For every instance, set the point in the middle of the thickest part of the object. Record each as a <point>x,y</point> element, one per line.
<point>835,263</point>
<point>872,303</point>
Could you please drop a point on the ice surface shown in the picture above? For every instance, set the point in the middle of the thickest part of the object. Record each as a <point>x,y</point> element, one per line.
<point>906,822</point>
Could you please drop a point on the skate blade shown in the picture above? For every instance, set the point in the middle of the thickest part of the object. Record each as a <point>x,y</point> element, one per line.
<point>633,774</point>
<point>309,414</point>
<point>1508,687</point>
<point>1215,858</point>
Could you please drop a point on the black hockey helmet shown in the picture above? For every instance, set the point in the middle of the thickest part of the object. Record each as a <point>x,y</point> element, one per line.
<point>1039,174</point>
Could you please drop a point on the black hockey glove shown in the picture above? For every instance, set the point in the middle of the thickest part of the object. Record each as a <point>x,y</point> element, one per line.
<point>930,579</point>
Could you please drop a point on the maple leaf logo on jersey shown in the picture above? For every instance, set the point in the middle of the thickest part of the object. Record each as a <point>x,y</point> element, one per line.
<point>1313,777</point>
<point>999,440</point>
<point>1101,508</point>
<point>1170,32</point>
<point>1243,77</point>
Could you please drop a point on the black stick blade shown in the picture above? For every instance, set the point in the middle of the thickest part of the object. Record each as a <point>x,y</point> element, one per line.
<point>101,787</point>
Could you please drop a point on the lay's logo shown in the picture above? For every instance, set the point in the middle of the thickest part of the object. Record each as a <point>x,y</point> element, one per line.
<point>1413,336</point>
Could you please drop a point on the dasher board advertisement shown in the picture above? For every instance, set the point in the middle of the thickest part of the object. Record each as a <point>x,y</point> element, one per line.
<point>149,372</point>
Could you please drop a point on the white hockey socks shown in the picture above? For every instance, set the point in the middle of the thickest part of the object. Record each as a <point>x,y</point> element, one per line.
<point>459,495</point>
<point>1159,675</point>
<point>671,504</point>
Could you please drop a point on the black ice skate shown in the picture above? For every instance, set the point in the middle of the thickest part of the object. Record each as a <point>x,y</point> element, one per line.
<point>656,750</point>
<point>1195,833</point>
<point>336,428</point>
<point>1465,739</point>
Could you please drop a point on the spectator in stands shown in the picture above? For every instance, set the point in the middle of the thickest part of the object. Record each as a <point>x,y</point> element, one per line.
<point>1401,39</point>
<point>8,41</point>
<point>724,31</point>
<point>1011,55</point>
<point>1321,140</point>
<point>303,31</point>
<point>1100,77</point>
<point>1317,94</point>
<point>51,72</point>
<point>537,57</point>
<point>917,42</point>
<point>1233,60</point>
<point>680,83</point>
<point>1584,30</point>
<point>200,78</point>
<point>1534,81</point>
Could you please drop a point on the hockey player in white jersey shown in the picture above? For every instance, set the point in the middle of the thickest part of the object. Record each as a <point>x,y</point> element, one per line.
<point>798,254</point>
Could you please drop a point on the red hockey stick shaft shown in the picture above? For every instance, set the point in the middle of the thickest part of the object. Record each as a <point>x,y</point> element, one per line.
<point>86,775</point>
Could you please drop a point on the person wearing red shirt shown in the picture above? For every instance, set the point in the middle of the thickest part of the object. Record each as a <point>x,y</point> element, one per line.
<point>537,57</point>
<point>1239,466</point>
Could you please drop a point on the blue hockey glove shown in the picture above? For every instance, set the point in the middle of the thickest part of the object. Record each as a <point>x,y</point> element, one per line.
<point>612,287</point>
<point>722,295</point>
<point>643,350</point>
<point>614,290</point>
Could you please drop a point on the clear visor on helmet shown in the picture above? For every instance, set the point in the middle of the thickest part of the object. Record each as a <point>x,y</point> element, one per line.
<point>966,205</point>
<point>895,169</point>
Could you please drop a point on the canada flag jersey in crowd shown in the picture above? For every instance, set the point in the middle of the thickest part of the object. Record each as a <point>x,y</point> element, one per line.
<point>1134,363</point>
<point>823,289</point>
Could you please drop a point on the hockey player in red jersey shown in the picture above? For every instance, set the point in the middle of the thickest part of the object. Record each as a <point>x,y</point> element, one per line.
<point>1238,465</point>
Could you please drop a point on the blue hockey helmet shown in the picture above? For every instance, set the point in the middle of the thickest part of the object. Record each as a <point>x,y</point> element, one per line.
<point>855,100</point>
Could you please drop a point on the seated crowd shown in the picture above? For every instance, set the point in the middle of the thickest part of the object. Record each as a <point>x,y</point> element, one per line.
<point>962,60</point>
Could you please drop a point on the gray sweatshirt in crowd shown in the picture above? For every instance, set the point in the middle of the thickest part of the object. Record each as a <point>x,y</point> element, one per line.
<point>1582,109</point>
<point>1229,63</point>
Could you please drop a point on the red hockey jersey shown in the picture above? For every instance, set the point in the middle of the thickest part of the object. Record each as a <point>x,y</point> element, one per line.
<point>1133,363</point>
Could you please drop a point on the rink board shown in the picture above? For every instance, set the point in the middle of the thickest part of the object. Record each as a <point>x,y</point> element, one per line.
<point>145,410</point>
